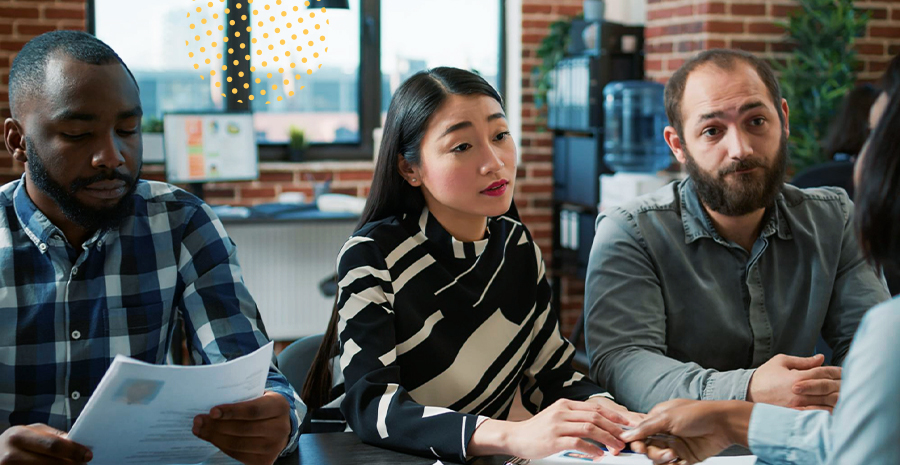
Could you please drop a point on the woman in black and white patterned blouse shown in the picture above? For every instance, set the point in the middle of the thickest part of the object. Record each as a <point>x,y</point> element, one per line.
<point>443,309</point>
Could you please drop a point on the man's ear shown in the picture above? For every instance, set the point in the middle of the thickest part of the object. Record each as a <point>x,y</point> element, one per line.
<point>674,142</point>
<point>14,138</point>
<point>787,114</point>
<point>409,172</point>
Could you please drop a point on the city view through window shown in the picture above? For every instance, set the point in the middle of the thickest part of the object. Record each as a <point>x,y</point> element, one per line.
<point>327,106</point>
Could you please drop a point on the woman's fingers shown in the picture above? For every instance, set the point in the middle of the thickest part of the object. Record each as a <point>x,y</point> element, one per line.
<point>596,419</point>
<point>588,430</point>
<point>610,414</point>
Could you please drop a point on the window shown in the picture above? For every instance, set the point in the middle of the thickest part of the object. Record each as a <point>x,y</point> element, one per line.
<point>325,103</point>
<point>372,48</point>
<point>164,71</point>
<point>418,35</point>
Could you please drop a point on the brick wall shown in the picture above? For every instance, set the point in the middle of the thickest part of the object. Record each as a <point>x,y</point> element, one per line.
<point>20,20</point>
<point>536,186</point>
<point>351,178</point>
<point>678,29</point>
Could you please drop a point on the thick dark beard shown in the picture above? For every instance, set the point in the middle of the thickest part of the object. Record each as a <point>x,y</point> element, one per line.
<point>748,194</point>
<point>88,218</point>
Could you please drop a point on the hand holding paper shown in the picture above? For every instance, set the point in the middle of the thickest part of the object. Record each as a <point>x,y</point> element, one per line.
<point>40,444</point>
<point>144,414</point>
<point>253,432</point>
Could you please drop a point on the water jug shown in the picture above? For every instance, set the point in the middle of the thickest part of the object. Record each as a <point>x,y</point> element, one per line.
<point>634,123</point>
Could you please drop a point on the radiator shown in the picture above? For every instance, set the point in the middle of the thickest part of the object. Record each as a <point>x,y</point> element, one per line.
<point>283,264</point>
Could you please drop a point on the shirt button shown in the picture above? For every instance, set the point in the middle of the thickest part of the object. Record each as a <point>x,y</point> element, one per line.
<point>74,270</point>
<point>99,245</point>
<point>43,247</point>
<point>76,335</point>
<point>76,395</point>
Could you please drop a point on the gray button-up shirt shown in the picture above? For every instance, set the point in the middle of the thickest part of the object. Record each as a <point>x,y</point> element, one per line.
<point>673,310</point>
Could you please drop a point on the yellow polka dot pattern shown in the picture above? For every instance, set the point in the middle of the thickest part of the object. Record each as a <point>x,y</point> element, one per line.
<point>241,86</point>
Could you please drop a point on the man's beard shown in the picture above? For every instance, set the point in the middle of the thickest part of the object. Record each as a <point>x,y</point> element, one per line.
<point>88,218</point>
<point>746,193</point>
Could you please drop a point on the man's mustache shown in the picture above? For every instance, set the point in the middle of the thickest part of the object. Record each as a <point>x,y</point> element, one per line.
<point>113,175</point>
<point>741,165</point>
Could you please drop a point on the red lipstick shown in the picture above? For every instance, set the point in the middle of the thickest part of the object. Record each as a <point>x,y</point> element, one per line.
<point>496,189</point>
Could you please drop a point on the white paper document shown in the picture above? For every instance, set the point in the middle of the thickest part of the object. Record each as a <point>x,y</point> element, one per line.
<point>142,413</point>
<point>571,457</point>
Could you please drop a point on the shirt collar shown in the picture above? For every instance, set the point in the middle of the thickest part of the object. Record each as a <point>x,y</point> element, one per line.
<point>37,226</point>
<point>697,223</point>
<point>436,233</point>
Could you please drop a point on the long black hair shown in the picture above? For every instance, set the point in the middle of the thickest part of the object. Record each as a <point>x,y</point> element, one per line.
<point>877,208</point>
<point>412,106</point>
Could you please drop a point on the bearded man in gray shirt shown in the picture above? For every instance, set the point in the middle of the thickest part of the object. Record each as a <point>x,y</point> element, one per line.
<point>718,287</point>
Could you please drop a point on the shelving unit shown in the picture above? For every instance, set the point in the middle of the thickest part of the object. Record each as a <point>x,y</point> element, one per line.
<point>575,115</point>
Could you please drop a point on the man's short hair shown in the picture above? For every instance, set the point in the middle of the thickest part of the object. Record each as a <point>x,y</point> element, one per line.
<point>28,71</point>
<point>722,59</point>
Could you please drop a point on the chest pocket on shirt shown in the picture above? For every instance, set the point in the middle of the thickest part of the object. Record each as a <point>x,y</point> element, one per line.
<point>140,332</point>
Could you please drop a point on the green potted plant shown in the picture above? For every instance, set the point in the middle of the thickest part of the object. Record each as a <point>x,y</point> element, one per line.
<point>552,49</point>
<point>298,143</point>
<point>819,72</point>
<point>152,140</point>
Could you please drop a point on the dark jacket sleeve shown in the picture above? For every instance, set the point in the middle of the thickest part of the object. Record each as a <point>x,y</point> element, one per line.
<point>376,406</point>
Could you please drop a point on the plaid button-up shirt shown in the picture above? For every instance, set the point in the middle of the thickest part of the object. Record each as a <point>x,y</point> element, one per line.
<point>65,313</point>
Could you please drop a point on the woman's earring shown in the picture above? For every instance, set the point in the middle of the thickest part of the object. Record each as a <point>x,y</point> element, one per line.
<point>414,179</point>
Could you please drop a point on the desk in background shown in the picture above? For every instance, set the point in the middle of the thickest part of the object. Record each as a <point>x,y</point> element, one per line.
<point>285,251</point>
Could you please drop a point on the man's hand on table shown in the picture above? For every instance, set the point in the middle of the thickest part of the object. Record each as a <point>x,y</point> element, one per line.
<point>796,382</point>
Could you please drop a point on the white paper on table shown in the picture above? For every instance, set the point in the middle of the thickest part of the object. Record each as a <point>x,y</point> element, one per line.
<point>142,413</point>
<point>571,457</point>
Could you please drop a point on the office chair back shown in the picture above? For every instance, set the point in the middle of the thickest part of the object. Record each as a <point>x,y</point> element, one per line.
<point>296,359</point>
